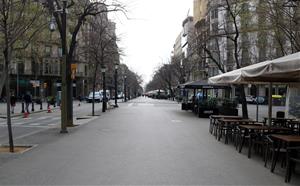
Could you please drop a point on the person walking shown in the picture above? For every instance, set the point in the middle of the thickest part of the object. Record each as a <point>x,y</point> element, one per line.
<point>28,100</point>
<point>13,100</point>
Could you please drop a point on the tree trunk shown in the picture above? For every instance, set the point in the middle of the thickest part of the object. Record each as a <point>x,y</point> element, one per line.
<point>244,102</point>
<point>93,100</point>
<point>7,88</point>
<point>2,82</point>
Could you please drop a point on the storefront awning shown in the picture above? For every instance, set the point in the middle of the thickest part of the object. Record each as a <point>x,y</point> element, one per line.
<point>282,70</point>
<point>202,84</point>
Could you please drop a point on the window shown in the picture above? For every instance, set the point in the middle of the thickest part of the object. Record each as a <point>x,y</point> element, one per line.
<point>46,68</point>
<point>85,70</point>
<point>214,27</point>
<point>214,14</point>
<point>21,68</point>
<point>48,50</point>
<point>59,52</point>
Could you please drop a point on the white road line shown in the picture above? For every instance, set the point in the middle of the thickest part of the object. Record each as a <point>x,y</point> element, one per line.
<point>176,121</point>
<point>52,124</point>
<point>34,124</point>
<point>18,123</point>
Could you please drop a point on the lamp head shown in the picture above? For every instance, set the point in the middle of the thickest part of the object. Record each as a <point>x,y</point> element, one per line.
<point>103,69</point>
<point>116,66</point>
<point>52,24</point>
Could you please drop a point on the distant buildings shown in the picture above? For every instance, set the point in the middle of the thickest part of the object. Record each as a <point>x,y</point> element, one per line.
<point>207,40</point>
<point>37,68</point>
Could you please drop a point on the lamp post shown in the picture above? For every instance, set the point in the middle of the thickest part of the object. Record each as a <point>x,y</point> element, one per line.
<point>64,72</point>
<point>103,69</point>
<point>125,95</point>
<point>116,84</point>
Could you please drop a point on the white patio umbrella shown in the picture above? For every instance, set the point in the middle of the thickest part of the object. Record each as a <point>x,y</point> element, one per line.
<point>281,70</point>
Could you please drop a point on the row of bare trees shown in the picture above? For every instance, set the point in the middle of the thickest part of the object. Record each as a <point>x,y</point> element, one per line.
<point>237,33</point>
<point>21,21</point>
<point>253,31</point>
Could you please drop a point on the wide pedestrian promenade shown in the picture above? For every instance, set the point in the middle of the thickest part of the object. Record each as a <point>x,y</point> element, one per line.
<point>143,142</point>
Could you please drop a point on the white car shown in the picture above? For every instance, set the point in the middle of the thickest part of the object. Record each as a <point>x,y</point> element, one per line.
<point>107,94</point>
<point>98,97</point>
<point>250,99</point>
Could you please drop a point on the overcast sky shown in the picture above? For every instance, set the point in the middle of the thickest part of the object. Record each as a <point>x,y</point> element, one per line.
<point>149,35</point>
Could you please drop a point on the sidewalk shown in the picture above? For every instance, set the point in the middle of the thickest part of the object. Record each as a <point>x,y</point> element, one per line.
<point>37,109</point>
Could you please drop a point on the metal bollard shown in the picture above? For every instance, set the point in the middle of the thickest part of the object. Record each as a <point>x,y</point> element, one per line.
<point>23,110</point>
<point>32,106</point>
<point>41,105</point>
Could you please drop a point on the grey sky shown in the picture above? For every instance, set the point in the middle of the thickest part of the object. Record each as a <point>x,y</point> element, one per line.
<point>148,37</point>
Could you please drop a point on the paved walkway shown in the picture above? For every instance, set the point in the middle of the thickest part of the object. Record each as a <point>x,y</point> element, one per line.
<point>143,142</point>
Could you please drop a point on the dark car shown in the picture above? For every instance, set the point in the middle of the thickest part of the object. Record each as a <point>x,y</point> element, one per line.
<point>261,100</point>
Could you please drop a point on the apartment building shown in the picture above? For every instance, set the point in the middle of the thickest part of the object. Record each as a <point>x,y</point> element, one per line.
<point>215,30</point>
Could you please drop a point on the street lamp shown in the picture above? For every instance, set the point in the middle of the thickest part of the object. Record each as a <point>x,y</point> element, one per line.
<point>125,99</point>
<point>116,84</point>
<point>103,69</point>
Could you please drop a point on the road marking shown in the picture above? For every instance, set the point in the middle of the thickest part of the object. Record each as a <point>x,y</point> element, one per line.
<point>18,123</point>
<point>176,121</point>
<point>145,104</point>
<point>130,105</point>
<point>34,124</point>
<point>44,117</point>
<point>29,134</point>
<point>54,118</point>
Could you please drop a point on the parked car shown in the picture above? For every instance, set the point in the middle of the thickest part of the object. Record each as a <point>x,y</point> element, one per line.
<point>250,99</point>
<point>261,100</point>
<point>120,95</point>
<point>107,94</point>
<point>98,97</point>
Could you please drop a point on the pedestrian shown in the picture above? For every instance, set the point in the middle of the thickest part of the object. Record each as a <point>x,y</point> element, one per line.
<point>13,100</point>
<point>28,100</point>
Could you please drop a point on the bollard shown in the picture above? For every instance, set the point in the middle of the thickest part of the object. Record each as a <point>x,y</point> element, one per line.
<point>32,106</point>
<point>26,114</point>
<point>41,105</point>
<point>49,109</point>
<point>23,110</point>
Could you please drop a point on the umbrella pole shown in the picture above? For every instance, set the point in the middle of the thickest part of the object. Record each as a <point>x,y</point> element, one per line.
<point>257,93</point>
<point>270,105</point>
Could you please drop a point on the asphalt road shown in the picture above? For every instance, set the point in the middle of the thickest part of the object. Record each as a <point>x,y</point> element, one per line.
<point>143,142</point>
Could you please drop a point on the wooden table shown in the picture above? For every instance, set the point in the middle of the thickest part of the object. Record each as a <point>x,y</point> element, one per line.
<point>225,124</point>
<point>288,140</point>
<point>214,118</point>
<point>280,120</point>
<point>257,130</point>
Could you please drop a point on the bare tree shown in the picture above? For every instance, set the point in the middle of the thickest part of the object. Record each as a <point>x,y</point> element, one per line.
<point>79,12</point>
<point>18,20</point>
<point>101,47</point>
<point>282,17</point>
<point>208,41</point>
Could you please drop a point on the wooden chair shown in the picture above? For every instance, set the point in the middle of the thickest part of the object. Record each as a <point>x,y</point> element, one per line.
<point>292,158</point>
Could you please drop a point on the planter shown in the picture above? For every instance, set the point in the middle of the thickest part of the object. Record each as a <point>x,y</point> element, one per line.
<point>186,106</point>
<point>229,111</point>
<point>206,112</point>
